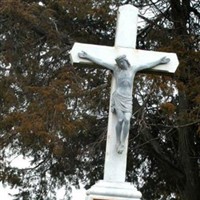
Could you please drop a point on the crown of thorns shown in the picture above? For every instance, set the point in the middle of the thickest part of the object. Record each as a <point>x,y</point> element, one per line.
<point>120,57</point>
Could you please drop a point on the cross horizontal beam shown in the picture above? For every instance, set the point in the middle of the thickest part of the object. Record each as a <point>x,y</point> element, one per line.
<point>134,56</point>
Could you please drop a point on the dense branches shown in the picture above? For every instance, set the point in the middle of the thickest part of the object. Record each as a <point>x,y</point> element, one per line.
<point>56,114</point>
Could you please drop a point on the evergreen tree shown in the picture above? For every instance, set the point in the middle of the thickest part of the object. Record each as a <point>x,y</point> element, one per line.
<point>56,114</point>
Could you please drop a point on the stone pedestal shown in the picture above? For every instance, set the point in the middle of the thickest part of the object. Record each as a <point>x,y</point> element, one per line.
<point>103,190</point>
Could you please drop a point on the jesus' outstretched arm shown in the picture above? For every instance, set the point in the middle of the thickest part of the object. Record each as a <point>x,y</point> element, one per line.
<point>97,61</point>
<point>163,60</point>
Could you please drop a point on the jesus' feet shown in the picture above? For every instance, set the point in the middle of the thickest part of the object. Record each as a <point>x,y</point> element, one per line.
<point>120,148</point>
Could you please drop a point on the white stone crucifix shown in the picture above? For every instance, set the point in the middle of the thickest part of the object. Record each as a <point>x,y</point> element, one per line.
<point>124,60</point>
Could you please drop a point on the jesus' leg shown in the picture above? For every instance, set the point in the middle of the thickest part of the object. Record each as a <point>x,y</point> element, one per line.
<point>120,119</point>
<point>125,131</point>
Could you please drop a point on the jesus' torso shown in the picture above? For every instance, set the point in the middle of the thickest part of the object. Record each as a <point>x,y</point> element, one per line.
<point>124,80</point>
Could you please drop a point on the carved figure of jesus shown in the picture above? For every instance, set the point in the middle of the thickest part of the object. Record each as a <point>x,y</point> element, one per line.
<point>121,105</point>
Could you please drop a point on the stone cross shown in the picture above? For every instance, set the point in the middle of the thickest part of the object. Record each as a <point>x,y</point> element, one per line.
<point>125,43</point>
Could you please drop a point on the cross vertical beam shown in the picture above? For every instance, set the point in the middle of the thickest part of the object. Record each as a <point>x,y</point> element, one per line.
<point>126,34</point>
<point>126,30</point>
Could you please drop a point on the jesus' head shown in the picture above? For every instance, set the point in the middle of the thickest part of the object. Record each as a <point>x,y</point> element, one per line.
<point>122,62</point>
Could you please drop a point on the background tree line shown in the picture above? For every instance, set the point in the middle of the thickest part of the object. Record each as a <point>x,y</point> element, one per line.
<point>56,114</point>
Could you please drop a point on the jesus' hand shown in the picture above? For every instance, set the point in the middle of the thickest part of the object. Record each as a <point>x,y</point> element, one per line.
<point>83,55</point>
<point>164,60</point>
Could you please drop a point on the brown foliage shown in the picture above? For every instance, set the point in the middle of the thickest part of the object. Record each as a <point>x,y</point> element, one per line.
<point>56,114</point>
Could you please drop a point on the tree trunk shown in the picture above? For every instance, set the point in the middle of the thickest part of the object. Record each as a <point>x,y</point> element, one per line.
<point>190,190</point>
<point>186,136</point>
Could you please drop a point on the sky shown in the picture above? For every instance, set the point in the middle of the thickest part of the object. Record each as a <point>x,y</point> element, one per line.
<point>76,194</point>
<point>22,163</point>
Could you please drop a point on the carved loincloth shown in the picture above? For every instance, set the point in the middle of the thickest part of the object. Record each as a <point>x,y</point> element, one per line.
<point>121,102</point>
